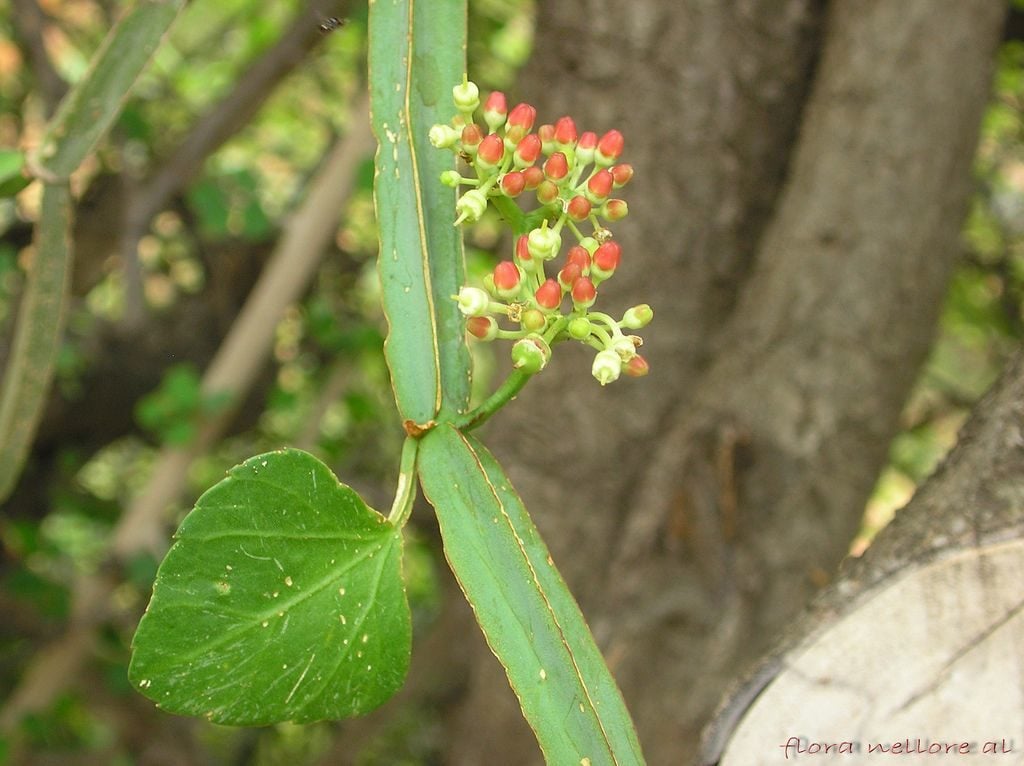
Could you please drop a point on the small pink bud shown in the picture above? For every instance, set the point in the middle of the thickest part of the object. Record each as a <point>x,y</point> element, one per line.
<point>621,174</point>
<point>472,135</point>
<point>547,192</point>
<point>557,167</point>
<point>586,147</point>
<point>549,295</point>
<point>614,210</point>
<point>606,259</point>
<point>599,185</point>
<point>583,293</point>
<point>609,147</point>
<point>484,328</point>
<point>565,132</point>
<point>580,257</point>
<point>534,176</point>
<point>495,110</point>
<point>547,138</point>
<point>578,208</point>
<point>512,184</point>
<point>567,277</point>
<point>527,151</point>
<point>490,151</point>
<point>507,279</point>
<point>636,367</point>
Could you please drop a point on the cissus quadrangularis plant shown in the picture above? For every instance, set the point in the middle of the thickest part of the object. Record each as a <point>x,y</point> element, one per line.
<point>281,598</point>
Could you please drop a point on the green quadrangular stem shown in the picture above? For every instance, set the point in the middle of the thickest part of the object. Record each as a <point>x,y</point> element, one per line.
<point>417,50</point>
<point>37,334</point>
<point>90,108</point>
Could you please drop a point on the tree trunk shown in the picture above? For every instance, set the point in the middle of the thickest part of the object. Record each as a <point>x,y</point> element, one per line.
<point>931,613</point>
<point>802,175</point>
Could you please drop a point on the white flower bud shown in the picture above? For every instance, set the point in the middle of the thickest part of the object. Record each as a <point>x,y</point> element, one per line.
<point>607,366</point>
<point>473,302</point>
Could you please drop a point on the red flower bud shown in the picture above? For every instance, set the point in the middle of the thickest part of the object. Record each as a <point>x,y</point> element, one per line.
<point>522,115</point>
<point>583,292</point>
<point>512,184</point>
<point>506,279</point>
<point>523,250</point>
<point>578,208</point>
<point>549,295</point>
<point>534,176</point>
<point>578,255</point>
<point>547,192</point>
<point>565,132</point>
<point>491,150</point>
<point>557,167</point>
<point>636,367</point>
<point>606,258</point>
<point>610,147</point>
<point>472,135</point>
<point>567,277</point>
<point>495,110</point>
<point>586,147</point>
<point>484,328</point>
<point>599,186</point>
<point>621,174</point>
<point>520,120</point>
<point>547,138</point>
<point>527,151</point>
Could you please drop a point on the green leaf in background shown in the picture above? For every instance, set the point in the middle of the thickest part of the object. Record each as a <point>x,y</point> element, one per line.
<point>528,615</point>
<point>417,53</point>
<point>281,600</point>
<point>11,179</point>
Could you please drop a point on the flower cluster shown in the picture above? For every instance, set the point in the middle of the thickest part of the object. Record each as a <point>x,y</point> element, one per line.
<point>572,176</point>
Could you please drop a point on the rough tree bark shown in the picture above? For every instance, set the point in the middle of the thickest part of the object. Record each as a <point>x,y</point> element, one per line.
<point>802,174</point>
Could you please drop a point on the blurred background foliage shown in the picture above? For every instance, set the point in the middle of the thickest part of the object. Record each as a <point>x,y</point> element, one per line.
<point>326,387</point>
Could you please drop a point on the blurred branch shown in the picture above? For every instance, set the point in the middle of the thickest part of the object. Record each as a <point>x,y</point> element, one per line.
<point>223,120</point>
<point>28,20</point>
<point>250,340</point>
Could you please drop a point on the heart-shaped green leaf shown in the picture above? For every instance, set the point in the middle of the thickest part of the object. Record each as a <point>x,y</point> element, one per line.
<point>281,600</point>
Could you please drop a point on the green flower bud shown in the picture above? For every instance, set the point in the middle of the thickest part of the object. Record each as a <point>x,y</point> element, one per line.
<point>471,206</point>
<point>544,243</point>
<point>530,354</point>
<point>444,136</point>
<point>533,320</point>
<point>579,328</point>
<point>637,317</point>
<point>451,178</point>
<point>466,96</point>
